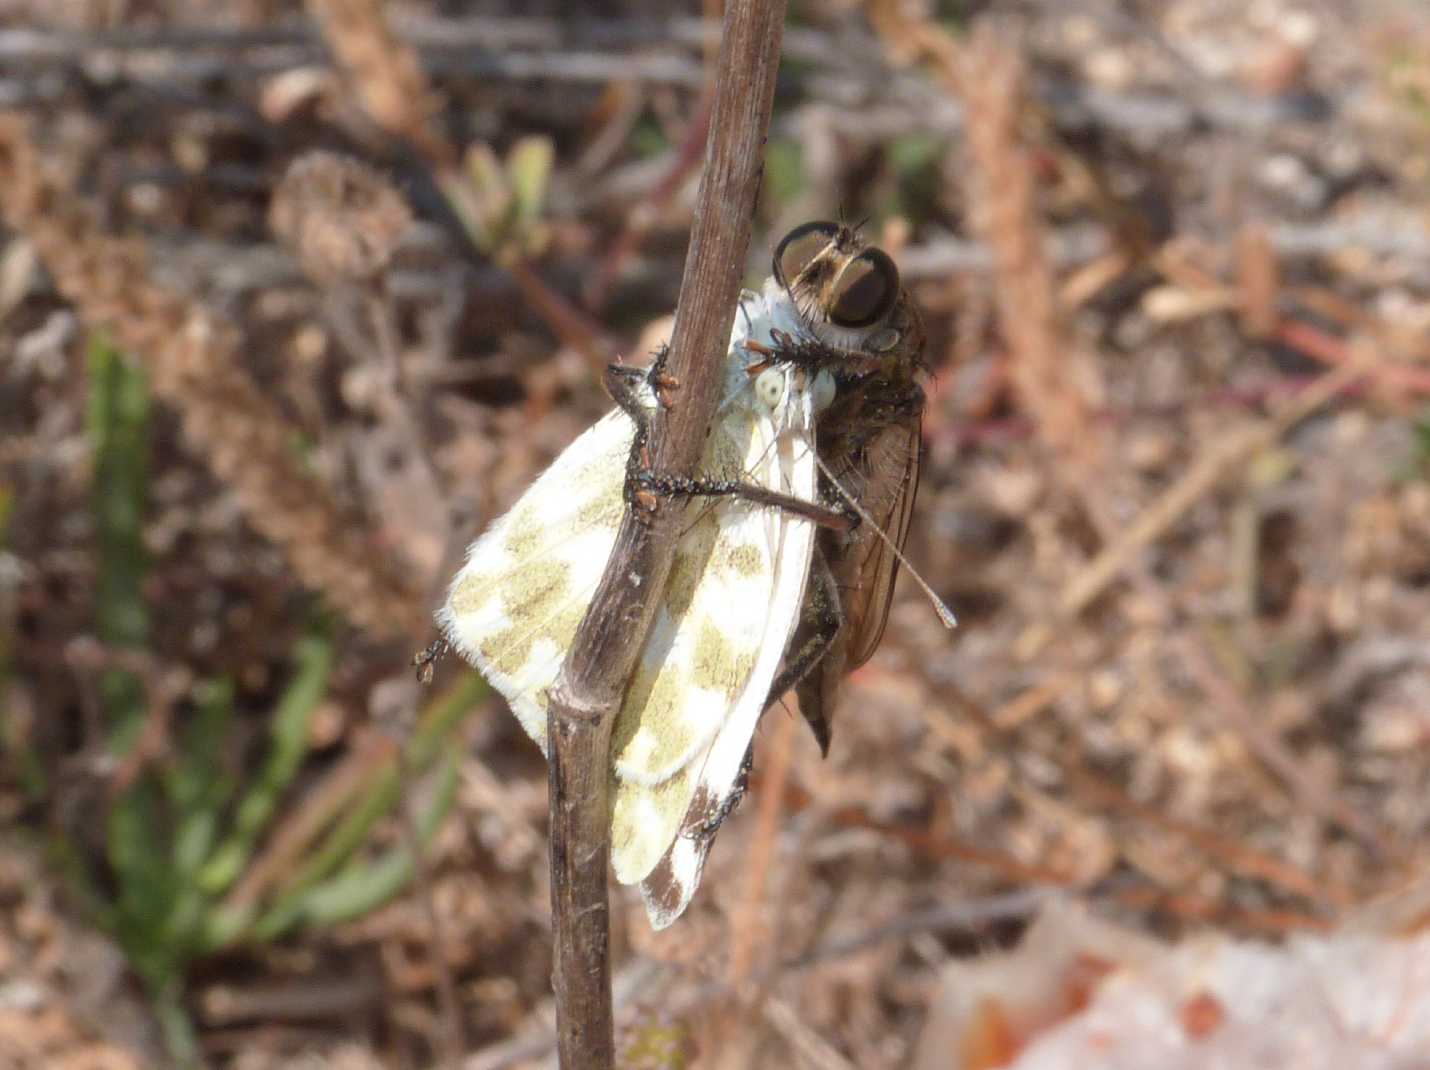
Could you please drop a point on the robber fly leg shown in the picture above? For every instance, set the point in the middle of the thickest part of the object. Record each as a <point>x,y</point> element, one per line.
<point>660,380</point>
<point>821,621</point>
<point>679,486</point>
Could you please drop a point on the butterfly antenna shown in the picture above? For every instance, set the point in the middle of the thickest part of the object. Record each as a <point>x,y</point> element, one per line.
<point>945,615</point>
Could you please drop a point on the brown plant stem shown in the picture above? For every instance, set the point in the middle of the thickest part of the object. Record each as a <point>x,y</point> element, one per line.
<point>588,691</point>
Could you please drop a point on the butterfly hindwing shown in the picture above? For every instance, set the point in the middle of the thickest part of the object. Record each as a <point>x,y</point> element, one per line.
<point>705,673</point>
<point>669,884</point>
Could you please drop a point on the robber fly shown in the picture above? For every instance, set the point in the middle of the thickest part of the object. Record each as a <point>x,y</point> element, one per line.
<point>862,326</point>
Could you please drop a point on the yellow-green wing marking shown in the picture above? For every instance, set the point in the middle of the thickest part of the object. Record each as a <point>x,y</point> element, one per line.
<point>513,609</point>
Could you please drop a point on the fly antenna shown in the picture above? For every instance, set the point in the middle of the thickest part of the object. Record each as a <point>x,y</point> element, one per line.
<point>945,615</point>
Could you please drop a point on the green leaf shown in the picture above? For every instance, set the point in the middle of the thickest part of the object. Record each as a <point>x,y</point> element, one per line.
<point>528,166</point>
<point>289,744</point>
<point>199,788</point>
<point>784,171</point>
<point>118,425</point>
<point>657,1045</point>
<point>648,138</point>
<point>361,888</point>
<point>346,885</point>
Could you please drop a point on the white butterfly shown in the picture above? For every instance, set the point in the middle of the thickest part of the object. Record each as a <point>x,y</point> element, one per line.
<point>737,586</point>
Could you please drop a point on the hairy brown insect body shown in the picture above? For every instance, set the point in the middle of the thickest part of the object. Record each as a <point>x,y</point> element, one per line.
<point>868,442</point>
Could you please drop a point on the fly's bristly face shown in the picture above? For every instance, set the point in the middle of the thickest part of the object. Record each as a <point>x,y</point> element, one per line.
<point>848,294</point>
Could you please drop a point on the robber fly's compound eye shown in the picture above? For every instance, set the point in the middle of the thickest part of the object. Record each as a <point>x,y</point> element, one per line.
<point>865,290</point>
<point>801,245</point>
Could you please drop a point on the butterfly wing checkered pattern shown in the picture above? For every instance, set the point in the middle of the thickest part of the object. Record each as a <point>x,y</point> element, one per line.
<point>726,615</point>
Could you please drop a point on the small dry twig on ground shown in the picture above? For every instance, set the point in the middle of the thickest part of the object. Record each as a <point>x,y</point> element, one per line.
<point>1102,794</point>
<point>196,366</point>
<point>587,693</point>
<point>1229,706</point>
<point>991,82</point>
<point>1222,457</point>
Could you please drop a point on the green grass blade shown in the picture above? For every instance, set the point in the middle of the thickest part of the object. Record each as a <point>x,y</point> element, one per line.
<point>434,727</point>
<point>199,785</point>
<point>361,888</point>
<point>118,427</point>
<point>438,721</point>
<point>119,439</point>
<point>289,744</point>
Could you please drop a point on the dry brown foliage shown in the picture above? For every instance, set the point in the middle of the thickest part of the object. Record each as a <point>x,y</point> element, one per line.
<point>384,71</point>
<point>340,217</point>
<point>990,78</point>
<point>1173,260</point>
<point>195,363</point>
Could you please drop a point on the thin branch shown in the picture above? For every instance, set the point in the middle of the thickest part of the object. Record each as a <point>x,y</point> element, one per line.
<point>588,691</point>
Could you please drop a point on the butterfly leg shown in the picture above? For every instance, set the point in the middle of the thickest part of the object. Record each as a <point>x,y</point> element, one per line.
<point>821,621</point>
<point>623,383</point>
<point>425,660</point>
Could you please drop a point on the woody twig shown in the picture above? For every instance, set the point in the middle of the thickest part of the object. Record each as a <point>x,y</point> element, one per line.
<point>587,693</point>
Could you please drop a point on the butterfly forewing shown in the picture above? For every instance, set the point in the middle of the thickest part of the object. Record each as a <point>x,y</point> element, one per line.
<point>729,607</point>
<point>706,670</point>
<point>789,467</point>
<point>514,607</point>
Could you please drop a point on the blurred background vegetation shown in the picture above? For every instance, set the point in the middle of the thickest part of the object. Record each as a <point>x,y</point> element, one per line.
<point>294,298</point>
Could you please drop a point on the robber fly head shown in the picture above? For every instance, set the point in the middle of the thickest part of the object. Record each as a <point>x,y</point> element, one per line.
<point>847,292</point>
